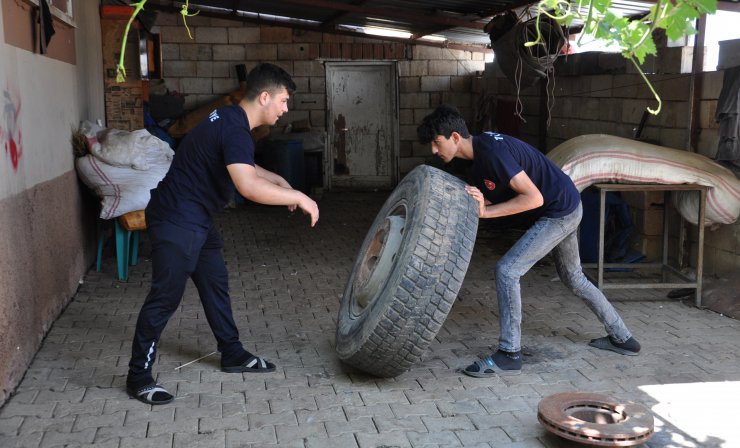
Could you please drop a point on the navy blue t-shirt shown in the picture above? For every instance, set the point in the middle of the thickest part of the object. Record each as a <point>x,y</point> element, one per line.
<point>198,184</point>
<point>498,157</point>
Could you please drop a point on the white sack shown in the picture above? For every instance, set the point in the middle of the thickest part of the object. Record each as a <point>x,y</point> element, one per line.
<point>599,158</point>
<point>121,190</point>
<point>129,149</point>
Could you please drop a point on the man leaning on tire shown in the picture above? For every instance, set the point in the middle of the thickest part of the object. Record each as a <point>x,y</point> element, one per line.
<point>511,177</point>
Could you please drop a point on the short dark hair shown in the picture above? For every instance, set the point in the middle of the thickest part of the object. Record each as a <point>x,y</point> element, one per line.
<point>267,77</point>
<point>443,121</point>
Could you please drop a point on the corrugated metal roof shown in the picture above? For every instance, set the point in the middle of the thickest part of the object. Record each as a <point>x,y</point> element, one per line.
<point>452,23</point>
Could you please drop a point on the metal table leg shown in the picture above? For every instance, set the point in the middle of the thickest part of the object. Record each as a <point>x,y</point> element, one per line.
<point>700,245</point>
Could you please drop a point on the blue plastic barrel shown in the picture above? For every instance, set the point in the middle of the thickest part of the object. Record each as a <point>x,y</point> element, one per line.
<point>285,157</point>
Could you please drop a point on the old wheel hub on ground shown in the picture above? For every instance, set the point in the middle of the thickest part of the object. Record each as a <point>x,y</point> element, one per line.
<point>595,419</point>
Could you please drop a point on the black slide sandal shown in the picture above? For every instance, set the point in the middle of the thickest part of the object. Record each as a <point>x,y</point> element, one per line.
<point>254,364</point>
<point>152,394</point>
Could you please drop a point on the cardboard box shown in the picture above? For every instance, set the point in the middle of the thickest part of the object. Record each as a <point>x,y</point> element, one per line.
<point>648,222</point>
<point>650,246</point>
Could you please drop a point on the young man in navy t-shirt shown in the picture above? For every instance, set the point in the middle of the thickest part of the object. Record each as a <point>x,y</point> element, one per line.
<point>213,160</point>
<point>511,177</point>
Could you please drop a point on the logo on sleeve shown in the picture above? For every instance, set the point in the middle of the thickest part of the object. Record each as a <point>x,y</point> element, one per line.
<point>213,116</point>
<point>490,185</point>
<point>496,136</point>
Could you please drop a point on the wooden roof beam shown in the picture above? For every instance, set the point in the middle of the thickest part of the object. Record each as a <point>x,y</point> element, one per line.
<point>287,24</point>
<point>484,14</point>
<point>337,16</point>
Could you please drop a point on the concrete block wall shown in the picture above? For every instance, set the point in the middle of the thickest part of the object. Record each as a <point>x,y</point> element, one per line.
<point>430,77</point>
<point>615,104</point>
<point>603,93</point>
<point>203,68</point>
<point>504,99</point>
<point>721,250</point>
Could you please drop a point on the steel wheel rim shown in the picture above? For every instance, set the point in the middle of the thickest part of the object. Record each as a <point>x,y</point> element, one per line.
<point>378,261</point>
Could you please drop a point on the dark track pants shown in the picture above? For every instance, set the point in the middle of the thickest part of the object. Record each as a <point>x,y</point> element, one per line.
<point>177,254</point>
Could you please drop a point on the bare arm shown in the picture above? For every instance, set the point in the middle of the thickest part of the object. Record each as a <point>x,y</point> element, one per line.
<point>260,189</point>
<point>528,197</point>
<point>272,177</point>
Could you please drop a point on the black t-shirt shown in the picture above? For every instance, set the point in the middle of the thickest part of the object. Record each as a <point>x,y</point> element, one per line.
<point>498,157</point>
<point>198,184</point>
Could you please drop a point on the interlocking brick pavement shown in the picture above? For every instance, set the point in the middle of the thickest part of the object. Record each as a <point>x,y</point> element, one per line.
<point>286,283</point>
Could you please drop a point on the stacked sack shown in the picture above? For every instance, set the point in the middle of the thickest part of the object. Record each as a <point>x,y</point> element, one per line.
<point>121,167</point>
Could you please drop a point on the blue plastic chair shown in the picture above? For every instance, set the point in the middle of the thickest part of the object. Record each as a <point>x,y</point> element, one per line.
<point>127,247</point>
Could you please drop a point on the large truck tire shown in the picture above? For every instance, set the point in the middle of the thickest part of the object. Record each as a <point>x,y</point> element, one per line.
<point>407,274</point>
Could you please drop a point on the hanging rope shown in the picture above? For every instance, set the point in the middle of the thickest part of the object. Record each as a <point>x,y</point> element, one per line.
<point>518,106</point>
<point>524,64</point>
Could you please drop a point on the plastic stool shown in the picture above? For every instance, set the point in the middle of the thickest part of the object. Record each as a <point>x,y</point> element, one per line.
<point>128,226</point>
<point>101,242</point>
<point>126,237</point>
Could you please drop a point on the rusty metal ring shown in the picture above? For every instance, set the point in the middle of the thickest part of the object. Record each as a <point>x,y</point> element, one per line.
<point>595,419</point>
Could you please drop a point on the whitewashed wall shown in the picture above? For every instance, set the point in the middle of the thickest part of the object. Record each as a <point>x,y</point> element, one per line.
<point>47,220</point>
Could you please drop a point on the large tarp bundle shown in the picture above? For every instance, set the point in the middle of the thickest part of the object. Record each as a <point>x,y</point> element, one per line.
<point>599,158</point>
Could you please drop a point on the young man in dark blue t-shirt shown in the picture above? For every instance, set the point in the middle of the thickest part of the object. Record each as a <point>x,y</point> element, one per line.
<point>511,177</point>
<point>213,160</point>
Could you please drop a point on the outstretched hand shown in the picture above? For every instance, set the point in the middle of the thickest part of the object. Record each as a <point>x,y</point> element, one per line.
<point>476,194</point>
<point>309,207</point>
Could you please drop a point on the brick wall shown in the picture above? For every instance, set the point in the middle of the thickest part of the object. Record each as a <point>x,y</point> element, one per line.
<point>603,93</point>
<point>203,69</point>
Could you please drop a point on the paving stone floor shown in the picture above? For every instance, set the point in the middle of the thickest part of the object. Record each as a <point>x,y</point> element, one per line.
<point>286,282</point>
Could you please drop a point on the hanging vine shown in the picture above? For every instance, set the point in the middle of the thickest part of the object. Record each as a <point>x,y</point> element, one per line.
<point>138,6</point>
<point>634,37</point>
<point>120,69</point>
<point>185,14</point>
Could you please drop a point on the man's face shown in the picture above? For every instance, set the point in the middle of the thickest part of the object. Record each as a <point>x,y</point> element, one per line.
<point>444,148</point>
<point>276,105</point>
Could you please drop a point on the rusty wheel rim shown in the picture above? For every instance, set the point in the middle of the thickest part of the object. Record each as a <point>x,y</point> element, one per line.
<point>378,260</point>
